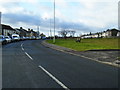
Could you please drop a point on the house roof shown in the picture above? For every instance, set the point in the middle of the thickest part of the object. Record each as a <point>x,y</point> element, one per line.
<point>112,29</point>
<point>7,27</point>
<point>22,30</point>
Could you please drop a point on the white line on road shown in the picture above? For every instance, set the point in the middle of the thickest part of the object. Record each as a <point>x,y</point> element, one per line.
<point>54,78</point>
<point>22,48</point>
<point>28,55</point>
<point>21,44</point>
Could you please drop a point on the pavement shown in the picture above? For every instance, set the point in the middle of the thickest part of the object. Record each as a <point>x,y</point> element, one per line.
<point>29,64</point>
<point>110,57</point>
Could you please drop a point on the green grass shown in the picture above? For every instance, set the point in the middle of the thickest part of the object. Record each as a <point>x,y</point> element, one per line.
<point>88,44</point>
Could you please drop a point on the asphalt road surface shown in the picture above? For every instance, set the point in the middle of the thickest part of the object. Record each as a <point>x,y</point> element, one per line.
<point>29,64</point>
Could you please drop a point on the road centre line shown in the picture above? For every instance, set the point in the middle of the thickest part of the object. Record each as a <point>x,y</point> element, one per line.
<point>54,78</point>
<point>22,48</point>
<point>49,74</point>
<point>21,44</point>
<point>26,52</point>
<point>28,55</point>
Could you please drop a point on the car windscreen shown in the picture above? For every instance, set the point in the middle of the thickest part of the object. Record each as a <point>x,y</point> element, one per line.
<point>6,37</point>
<point>14,36</point>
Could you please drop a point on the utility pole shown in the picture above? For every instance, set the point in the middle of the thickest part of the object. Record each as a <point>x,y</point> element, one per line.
<point>38,32</point>
<point>54,23</point>
<point>50,30</point>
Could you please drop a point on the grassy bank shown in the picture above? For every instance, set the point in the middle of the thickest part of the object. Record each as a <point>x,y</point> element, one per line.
<point>88,44</point>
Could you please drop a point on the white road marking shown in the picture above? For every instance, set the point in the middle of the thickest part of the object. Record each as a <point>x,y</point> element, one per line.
<point>54,78</point>
<point>28,55</point>
<point>21,44</point>
<point>49,74</point>
<point>22,48</point>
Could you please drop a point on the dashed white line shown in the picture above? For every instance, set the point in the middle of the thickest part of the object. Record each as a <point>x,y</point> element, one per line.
<point>26,52</point>
<point>49,74</point>
<point>28,55</point>
<point>21,44</point>
<point>22,48</point>
<point>54,78</point>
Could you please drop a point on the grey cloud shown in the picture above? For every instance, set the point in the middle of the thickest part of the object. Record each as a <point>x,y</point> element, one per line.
<point>35,20</point>
<point>75,26</point>
<point>16,18</point>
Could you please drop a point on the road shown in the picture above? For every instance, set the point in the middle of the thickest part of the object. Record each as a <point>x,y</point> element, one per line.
<point>29,64</point>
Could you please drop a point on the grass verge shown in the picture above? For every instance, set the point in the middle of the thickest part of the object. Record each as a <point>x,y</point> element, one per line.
<point>88,44</point>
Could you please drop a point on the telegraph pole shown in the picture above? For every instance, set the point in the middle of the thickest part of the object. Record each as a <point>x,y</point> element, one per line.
<point>54,23</point>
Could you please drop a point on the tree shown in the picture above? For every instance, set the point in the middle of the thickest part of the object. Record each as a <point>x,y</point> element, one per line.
<point>63,33</point>
<point>42,35</point>
<point>72,33</point>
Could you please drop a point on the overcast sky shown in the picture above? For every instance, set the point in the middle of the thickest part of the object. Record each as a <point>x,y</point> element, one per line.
<point>83,16</point>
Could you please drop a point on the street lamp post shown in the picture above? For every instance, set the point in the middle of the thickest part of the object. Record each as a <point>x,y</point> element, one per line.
<point>54,23</point>
<point>38,30</point>
<point>50,30</point>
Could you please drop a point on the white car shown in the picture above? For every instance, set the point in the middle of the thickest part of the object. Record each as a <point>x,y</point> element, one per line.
<point>15,37</point>
<point>8,39</point>
<point>2,40</point>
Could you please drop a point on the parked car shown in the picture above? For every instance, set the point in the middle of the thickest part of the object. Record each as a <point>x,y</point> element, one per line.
<point>15,37</point>
<point>8,39</point>
<point>2,40</point>
<point>32,37</point>
<point>27,38</point>
<point>23,38</point>
<point>38,37</point>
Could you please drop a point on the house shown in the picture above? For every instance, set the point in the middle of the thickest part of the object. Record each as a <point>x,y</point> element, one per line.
<point>22,32</point>
<point>105,34</point>
<point>7,30</point>
<point>32,33</point>
<point>111,33</point>
<point>118,34</point>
